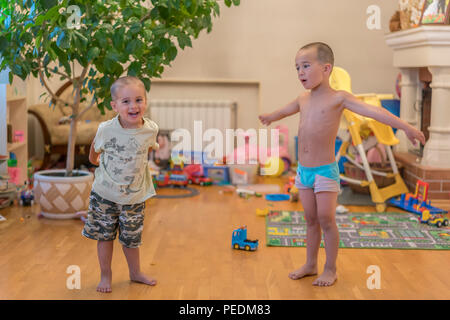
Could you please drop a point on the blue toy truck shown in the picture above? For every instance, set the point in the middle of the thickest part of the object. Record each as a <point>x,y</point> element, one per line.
<point>239,240</point>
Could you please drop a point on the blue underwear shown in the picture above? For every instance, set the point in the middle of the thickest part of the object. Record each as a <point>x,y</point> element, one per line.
<point>308,174</point>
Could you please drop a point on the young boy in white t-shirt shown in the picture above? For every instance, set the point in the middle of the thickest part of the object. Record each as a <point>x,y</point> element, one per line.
<point>122,181</point>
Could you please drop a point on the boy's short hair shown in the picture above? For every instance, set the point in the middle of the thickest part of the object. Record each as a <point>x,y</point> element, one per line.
<point>124,81</point>
<point>324,52</point>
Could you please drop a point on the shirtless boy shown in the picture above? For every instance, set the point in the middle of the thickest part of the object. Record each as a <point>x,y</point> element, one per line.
<point>318,173</point>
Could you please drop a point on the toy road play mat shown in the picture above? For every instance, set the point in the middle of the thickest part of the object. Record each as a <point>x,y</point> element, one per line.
<point>388,230</point>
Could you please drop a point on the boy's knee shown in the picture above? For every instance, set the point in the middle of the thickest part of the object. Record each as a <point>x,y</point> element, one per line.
<point>326,223</point>
<point>312,221</point>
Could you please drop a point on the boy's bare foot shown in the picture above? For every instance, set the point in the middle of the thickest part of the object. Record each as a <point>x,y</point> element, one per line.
<point>142,278</point>
<point>326,279</point>
<point>304,271</point>
<point>105,283</point>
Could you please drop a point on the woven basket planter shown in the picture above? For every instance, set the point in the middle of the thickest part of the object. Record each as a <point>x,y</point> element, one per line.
<point>62,197</point>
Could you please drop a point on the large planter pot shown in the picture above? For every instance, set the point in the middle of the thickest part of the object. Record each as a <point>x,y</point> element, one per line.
<point>62,197</point>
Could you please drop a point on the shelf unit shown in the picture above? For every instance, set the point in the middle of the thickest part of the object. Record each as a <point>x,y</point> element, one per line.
<point>13,111</point>
<point>3,177</point>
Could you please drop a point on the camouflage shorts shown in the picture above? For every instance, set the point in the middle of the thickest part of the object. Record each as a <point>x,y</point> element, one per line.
<point>105,217</point>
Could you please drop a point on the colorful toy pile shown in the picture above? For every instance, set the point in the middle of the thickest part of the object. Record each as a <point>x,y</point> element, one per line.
<point>419,204</point>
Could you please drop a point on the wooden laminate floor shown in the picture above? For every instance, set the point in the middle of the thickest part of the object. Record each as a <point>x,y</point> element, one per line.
<point>187,248</point>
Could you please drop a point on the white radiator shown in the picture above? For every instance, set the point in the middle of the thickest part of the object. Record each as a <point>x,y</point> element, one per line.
<point>173,114</point>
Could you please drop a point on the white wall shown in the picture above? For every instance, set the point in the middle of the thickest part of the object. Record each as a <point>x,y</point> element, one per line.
<point>258,41</point>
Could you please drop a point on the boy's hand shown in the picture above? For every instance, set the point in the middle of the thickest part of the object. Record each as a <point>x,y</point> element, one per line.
<point>413,134</point>
<point>265,119</point>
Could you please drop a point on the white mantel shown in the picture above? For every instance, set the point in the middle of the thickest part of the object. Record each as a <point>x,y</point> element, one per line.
<point>425,46</point>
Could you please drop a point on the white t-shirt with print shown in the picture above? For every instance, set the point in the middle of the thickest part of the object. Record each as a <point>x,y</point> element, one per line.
<point>123,175</point>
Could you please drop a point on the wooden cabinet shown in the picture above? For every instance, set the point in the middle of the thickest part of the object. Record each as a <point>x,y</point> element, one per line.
<point>13,113</point>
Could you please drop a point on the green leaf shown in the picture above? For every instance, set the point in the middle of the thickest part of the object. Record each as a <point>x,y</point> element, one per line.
<point>171,53</point>
<point>53,12</point>
<point>101,36</point>
<point>134,69</point>
<point>38,41</point>
<point>47,58</point>
<point>39,20</point>
<point>216,8</point>
<point>127,13</point>
<point>164,44</point>
<point>147,83</point>
<point>191,6</point>
<point>184,41</point>
<point>163,12</point>
<point>47,4</point>
<point>101,107</point>
<point>109,65</point>
<point>16,69</point>
<point>131,46</point>
<point>135,28</point>
<point>107,26</point>
<point>147,35</point>
<point>63,41</point>
<point>118,38</point>
<point>81,36</point>
<point>3,43</point>
<point>93,53</point>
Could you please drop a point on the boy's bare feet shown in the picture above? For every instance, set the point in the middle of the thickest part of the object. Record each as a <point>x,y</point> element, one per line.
<point>105,283</point>
<point>142,278</point>
<point>304,271</point>
<point>326,279</point>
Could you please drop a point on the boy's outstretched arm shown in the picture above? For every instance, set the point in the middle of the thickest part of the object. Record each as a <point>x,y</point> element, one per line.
<point>351,103</point>
<point>286,111</point>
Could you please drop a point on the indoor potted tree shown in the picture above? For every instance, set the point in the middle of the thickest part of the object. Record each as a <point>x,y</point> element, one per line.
<point>91,44</point>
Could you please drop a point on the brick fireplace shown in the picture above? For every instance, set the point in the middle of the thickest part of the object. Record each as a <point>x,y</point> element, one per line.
<point>422,55</point>
<point>413,170</point>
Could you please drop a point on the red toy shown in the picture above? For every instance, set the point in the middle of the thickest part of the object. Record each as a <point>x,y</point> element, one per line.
<point>418,202</point>
<point>194,173</point>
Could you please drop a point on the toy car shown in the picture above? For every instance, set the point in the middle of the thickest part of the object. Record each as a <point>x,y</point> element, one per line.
<point>239,240</point>
<point>194,173</point>
<point>203,181</point>
<point>162,180</point>
<point>437,220</point>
